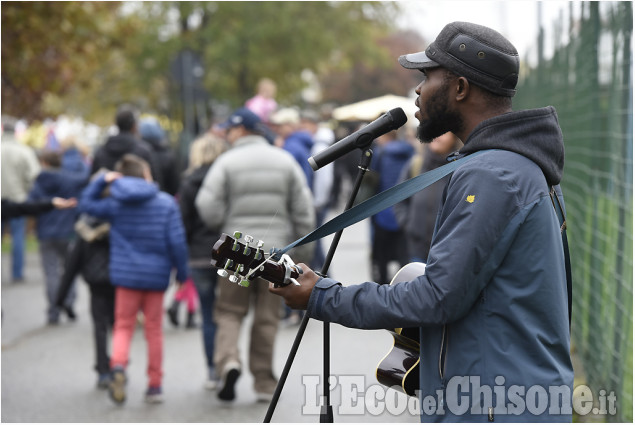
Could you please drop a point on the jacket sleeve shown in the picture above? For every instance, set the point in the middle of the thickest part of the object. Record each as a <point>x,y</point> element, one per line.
<point>92,203</point>
<point>31,170</point>
<point>464,255</point>
<point>188,211</point>
<point>178,244</point>
<point>12,209</point>
<point>301,212</point>
<point>211,199</point>
<point>173,176</point>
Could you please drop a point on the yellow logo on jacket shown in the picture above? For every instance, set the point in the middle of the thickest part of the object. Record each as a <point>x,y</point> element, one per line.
<point>470,198</point>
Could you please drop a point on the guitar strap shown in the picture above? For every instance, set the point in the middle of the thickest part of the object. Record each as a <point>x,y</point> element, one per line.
<point>378,203</point>
<point>565,245</point>
<point>405,190</point>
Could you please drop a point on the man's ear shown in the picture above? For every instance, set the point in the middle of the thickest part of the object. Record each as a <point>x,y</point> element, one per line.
<point>462,88</point>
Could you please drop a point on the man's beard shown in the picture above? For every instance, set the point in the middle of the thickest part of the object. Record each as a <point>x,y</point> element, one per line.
<point>440,118</point>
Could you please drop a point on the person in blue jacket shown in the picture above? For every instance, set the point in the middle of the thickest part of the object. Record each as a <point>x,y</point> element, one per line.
<point>492,303</point>
<point>55,229</point>
<point>295,140</point>
<point>147,241</point>
<point>391,155</point>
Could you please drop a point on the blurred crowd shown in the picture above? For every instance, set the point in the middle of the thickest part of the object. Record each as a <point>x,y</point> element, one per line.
<point>123,213</point>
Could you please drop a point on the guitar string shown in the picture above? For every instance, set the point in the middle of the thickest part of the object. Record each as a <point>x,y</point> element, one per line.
<point>252,271</point>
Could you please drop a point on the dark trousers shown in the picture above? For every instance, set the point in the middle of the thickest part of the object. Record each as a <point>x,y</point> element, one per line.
<point>102,310</point>
<point>205,282</point>
<point>17,228</point>
<point>387,246</point>
<point>53,256</point>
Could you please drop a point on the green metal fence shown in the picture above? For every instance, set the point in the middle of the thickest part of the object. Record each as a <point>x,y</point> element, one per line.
<point>588,78</point>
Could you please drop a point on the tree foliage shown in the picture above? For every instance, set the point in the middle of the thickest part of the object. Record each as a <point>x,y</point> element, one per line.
<point>49,48</point>
<point>363,81</point>
<point>242,42</point>
<point>87,57</point>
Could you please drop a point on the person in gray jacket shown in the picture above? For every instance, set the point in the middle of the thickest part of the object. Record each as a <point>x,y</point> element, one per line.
<point>492,304</point>
<point>19,169</point>
<point>259,190</point>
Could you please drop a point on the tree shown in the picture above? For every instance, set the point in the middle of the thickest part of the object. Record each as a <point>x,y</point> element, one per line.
<point>363,81</point>
<point>48,48</point>
<point>88,57</point>
<point>242,42</point>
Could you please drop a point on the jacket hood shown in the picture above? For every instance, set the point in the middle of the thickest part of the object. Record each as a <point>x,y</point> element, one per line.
<point>301,137</point>
<point>61,181</point>
<point>157,145</point>
<point>133,189</point>
<point>120,144</point>
<point>151,131</point>
<point>533,133</point>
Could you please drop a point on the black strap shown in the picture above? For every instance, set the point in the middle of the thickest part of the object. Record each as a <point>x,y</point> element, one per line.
<point>379,202</point>
<point>565,245</point>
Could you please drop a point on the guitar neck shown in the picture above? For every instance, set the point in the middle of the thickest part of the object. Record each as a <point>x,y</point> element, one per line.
<point>271,271</point>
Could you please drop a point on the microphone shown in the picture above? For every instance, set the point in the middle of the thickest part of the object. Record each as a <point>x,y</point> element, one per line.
<point>362,138</point>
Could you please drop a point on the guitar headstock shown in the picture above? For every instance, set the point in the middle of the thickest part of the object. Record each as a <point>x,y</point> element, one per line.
<point>247,262</point>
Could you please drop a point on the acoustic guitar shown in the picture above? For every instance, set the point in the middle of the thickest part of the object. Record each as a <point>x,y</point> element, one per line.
<point>241,263</point>
<point>399,369</point>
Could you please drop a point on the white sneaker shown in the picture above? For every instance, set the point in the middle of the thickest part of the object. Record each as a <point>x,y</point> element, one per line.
<point>211,383</point>
<point>264,397</point>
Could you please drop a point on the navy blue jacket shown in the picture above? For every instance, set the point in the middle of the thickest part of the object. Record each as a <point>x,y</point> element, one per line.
<point>492,305</point>
<point>147,239</point>
<point>299,145</point>
<point>388,161</point>
<point>57,224</point>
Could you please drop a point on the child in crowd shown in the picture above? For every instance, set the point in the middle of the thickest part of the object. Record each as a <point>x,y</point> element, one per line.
<point>187,294</point>
<point>89,255</point>
<point>147,241</point>
<point>55,229</point>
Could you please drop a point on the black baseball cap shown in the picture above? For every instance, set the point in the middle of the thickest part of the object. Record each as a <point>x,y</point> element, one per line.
<point>242,117</point>
<point>475,52</point>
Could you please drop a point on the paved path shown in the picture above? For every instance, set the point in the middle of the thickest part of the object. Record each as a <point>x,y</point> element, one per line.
<point>47,373</point>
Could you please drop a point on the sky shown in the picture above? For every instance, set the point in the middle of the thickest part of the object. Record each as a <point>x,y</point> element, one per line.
<point>515,19</point>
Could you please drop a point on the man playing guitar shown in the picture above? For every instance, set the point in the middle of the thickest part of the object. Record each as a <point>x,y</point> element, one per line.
<point>491,307</point>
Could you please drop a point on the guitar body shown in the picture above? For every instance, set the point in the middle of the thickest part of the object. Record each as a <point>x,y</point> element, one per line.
<point>400,367</point>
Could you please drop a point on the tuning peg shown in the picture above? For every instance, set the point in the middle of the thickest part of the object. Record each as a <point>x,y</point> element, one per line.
<point>244,283</point>
<point>258,255</point>
<point>237,235</point>
<point>223,272</point>
<point>260,244</point>
<point>234,278</point>
<point>249,239</point>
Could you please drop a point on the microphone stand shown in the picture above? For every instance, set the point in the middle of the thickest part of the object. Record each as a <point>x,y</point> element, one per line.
<point>326,410</point>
